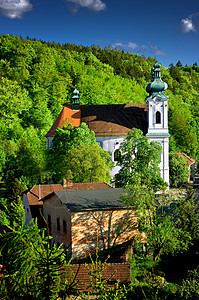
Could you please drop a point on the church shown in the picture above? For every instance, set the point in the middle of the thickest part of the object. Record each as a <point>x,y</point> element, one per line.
<point>111,123</point>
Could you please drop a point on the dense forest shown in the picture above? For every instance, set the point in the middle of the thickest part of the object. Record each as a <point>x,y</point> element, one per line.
<point>38,77</point>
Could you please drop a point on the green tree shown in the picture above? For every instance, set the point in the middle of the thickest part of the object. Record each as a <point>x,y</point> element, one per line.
<point>190,286</point>
<point>88,164</point>
<point>161,231</point>
<point>178,168</point>
<point>139,159</point>
<point>32,268</point>
<point>75,149</point>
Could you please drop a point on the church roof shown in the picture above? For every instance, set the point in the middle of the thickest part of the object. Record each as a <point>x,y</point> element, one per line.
<point>66,116</point>
<point>105,120</point>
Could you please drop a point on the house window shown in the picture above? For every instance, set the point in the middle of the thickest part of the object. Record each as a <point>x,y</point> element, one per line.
<point>64,226</point>
<point>49,223</point>
<point>58,224</point>
<point>158,117</point>
<point>117,154</point>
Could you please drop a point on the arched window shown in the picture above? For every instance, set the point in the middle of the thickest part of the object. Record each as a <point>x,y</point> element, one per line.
<point>117,154</point>
<point>158,117</point>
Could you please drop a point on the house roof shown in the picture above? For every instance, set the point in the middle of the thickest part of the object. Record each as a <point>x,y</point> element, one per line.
<point>40,191</point>
<point>190,160</point>
<point>105,120</point>
<point>66,116</point>
<point>102,199</point>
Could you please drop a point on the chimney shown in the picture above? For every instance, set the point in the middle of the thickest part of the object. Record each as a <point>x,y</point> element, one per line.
<point>67,182</point>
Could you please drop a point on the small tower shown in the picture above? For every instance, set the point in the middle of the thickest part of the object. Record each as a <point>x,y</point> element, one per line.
<point>75,99</point>
<point>157,103</point>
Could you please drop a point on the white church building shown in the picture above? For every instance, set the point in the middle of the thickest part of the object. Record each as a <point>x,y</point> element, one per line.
<point>111,123</point>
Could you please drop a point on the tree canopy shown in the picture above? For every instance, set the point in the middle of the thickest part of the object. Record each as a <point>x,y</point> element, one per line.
<point>178,168</point>
<point>139,159</point>
<point>75,151</point>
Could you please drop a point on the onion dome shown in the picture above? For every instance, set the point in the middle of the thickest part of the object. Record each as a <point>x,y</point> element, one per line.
<point>157,86</point>
<point>75,99</point>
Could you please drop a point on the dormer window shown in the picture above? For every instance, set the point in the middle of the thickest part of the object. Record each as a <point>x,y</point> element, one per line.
<point>158,117</point>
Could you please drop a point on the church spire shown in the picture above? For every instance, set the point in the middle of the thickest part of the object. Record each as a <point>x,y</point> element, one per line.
<point>75,99</point>
<point>157,86</point>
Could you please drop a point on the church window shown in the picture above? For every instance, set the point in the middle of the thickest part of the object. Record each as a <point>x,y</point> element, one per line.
<point>158,117</point>
<point>117,154</point>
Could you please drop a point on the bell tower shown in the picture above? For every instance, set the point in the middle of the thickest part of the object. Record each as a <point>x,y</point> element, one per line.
<point>157,103</point>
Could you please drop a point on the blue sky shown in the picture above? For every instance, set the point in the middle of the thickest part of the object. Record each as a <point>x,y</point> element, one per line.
<point>167,30</point>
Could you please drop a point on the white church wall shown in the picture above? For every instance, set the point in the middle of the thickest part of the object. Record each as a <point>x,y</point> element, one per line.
<point>111,144</point>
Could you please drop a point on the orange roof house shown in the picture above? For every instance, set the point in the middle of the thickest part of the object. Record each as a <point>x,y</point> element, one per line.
<point>31,198</point>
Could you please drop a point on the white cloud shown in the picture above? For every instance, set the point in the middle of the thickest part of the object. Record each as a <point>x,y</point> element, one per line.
<point>94,5</point>
<point>155,50</point>
<point>14,8</point>
<point>132,45</point>
<point>187,25</point>
<point>137,48</point>
<point>129,46</point>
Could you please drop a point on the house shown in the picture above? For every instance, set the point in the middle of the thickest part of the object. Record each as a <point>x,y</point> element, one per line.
<point>111,123</point>
<point>191,162</point>
<point>79,219</point>
<point>34,208</point>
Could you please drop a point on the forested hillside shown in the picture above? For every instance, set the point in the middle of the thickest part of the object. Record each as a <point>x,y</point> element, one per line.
<point>37,79</point>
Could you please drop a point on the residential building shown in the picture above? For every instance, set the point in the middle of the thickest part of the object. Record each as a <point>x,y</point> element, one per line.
<point>34,207</point>
<point>81,219</point>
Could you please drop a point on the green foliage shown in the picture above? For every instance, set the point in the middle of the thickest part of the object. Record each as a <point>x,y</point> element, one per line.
<point>139,159</point>
<point>88,163</point>
<point>159,223</point>
<point>178,168</point>
<point>190,286</point>
<point>166,225</point>
<point>32,269</point>
<point>75,150</point>
<point>189,214</point>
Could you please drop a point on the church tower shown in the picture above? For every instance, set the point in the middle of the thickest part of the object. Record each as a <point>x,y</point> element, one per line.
<point>157,103</point>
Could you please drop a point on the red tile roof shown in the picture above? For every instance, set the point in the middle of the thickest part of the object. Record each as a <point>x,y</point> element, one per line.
<point>43,190</point>
<point>66,116</point>
<point>105,120</point>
